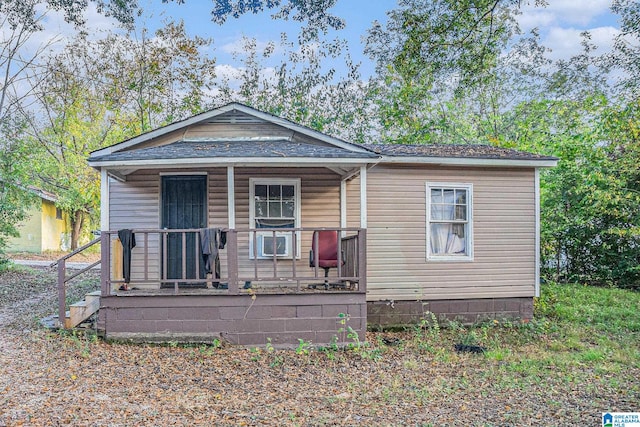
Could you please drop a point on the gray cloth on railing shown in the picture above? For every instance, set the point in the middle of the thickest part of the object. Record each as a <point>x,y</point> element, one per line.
<point>128,240</point>
<point>211,240</point>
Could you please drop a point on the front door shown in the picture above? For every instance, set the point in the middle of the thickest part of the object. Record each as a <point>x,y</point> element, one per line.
<point>184,206</point>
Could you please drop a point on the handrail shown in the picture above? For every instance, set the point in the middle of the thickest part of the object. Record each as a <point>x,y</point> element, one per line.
<point>63,279</point>
<point>77,251</point>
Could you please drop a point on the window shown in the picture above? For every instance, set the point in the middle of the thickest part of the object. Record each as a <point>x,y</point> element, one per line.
<point>58,213</point>
<point>274,203</point>
<point>449,222</point>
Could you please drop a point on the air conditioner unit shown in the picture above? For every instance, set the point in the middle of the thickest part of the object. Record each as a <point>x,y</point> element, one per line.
<point>282,245</point>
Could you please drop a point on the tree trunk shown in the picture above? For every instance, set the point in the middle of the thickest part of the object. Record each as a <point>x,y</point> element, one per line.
<point>77,221</point>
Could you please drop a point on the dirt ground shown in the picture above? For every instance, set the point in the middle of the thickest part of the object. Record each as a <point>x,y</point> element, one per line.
<point>53,379</point>
<point>52,256</point>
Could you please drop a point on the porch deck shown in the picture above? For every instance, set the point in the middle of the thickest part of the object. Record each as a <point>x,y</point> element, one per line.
<point>257,299</point>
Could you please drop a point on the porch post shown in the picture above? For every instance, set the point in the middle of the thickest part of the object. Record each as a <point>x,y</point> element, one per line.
<point>104,199</point>
<point>343,206</point>
<point>105,262</point>
<point>232,261</point>
<point>363,197</point>
<point>362,260</point>
<point>62,296</point>
<point>537,233</point>
<point>231,198</point>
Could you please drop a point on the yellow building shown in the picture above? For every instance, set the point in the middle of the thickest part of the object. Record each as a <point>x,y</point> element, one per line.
<point>45,229</point>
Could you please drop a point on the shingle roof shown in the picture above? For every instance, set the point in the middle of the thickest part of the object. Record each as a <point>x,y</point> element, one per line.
<point>271,148</point>
<point>472,151</point>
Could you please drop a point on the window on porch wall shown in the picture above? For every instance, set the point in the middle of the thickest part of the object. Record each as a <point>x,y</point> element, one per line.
<point>449,223</point>
<point>274,203</point>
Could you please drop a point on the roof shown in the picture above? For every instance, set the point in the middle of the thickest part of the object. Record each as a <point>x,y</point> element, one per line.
<point>298,146</point>
<point>244,148</point>
<point>459,155</point>
<point>475,151</point>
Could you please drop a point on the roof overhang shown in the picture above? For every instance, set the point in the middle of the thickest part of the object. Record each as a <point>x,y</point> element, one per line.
<point>230,161</point>
<point>469,161</point>
<point>120,169</point>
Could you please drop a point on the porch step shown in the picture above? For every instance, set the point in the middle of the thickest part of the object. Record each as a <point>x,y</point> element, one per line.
<point>82,310</point>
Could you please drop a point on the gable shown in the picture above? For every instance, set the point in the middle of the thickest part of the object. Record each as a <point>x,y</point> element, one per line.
<point>234,120</point>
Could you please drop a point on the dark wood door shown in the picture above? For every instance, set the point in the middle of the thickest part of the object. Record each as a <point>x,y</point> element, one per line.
<point>184,206</point>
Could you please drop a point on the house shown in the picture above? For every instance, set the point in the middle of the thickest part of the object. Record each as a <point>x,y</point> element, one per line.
<point>45,229</point>
<point>451,230</point>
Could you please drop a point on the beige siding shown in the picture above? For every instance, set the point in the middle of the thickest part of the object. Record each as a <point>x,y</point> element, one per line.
<point>353,202</point>
<point>503,226</point>
<point>135,204</point>
<point>503,234</point>
<point>228,130</point>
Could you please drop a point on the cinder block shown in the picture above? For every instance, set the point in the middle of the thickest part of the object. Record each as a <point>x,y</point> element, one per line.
<point>298,325</point>
<point>437,307</point>
<point>128,314</point>
<point>223,326</point>
<point>307,311</point>
<point>355,310</point>
<point>155,313</point>
<point>194,313</point>
<point>258,312</point>
<point>333,310</point>
<point>169,326</point>
<point>259,325</point>
<point>196,326</point>
<point>458,307</point>
<point>480,306</point>
<point>283,311</point>
<point>229,313</point>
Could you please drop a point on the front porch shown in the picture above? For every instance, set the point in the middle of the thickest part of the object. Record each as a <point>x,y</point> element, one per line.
<point>253,300</point>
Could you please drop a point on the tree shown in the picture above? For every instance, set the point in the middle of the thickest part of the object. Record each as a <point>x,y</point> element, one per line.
<point>24,20</point>
<point>627,47</point>
<point>99,93</point>
<point>72,122</point>
<point>14,200</point>
<point>313,13</point>
<point>449,70</point>
<point>303,87</point>
<point>21,71</point>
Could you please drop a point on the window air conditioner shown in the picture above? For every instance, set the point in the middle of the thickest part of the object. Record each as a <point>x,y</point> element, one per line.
<point>265,245</point>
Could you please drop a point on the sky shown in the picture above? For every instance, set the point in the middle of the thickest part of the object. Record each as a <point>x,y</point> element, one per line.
<point>560,25</point>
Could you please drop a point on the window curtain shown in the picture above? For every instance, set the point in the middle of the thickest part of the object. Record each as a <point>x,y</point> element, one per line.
<point>447,238</point>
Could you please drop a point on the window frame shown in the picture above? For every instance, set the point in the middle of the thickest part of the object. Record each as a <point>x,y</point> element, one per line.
<point>469,244</point>
<point>295,182</point>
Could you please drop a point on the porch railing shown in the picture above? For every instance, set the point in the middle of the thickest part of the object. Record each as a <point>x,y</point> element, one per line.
<point>172,258</point>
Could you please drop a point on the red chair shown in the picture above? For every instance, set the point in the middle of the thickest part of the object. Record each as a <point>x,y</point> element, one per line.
<point>324,249</point>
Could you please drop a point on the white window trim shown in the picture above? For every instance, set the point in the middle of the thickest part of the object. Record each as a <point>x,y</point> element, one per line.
<point>252,210</point>
<point>469,241</point>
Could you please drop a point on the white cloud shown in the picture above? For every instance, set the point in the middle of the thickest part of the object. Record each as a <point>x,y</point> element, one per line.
<point>563,13</point>
<point>57,32</point>
<point>566,42</point>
